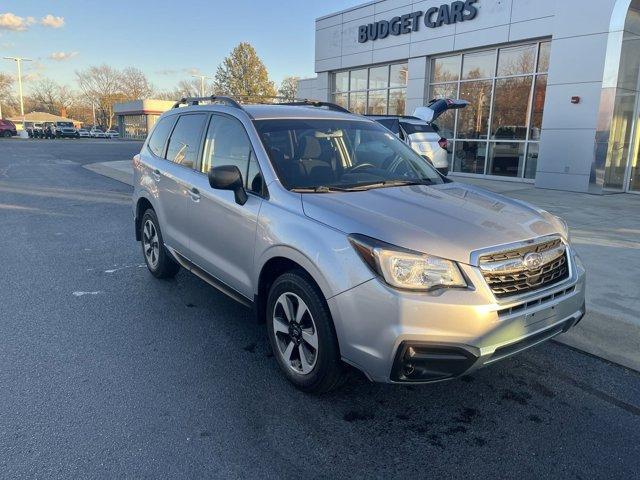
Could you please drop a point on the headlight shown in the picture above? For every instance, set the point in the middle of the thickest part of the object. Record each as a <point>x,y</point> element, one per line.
<point>406,269</point>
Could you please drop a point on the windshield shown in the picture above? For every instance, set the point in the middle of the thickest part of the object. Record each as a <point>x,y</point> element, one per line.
<point>326,155</point>
<point>65,124</point>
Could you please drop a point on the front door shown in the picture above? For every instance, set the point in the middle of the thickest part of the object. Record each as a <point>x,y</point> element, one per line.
<point>222,231</point>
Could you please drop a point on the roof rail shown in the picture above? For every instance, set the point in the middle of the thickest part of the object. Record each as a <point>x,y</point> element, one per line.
<point>306,102</point>
<point>213,99</point>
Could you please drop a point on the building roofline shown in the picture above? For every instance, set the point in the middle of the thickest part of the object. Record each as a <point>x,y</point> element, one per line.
<point>340,12</point>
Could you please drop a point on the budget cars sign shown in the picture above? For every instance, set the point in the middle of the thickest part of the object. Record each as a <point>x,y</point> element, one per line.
<point>434,17</point>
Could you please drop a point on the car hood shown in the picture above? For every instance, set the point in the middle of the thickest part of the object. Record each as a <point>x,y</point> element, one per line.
<point>449,220</point>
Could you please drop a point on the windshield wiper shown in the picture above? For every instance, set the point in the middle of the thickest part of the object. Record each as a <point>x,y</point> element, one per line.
<point>393,183</point>
<point>320,189</point>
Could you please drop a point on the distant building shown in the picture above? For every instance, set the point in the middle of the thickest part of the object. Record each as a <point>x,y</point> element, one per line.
<point>135,119</point>
<point>41,117</point>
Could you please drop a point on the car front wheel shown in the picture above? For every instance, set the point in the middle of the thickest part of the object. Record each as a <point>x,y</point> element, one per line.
<point>302,335</point>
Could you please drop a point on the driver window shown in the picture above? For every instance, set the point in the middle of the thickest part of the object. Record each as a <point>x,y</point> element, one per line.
<point>227,143</point>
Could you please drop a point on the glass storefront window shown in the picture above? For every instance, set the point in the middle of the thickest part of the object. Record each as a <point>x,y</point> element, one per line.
<point>377,104</point>
<point>539,95</point>
<point>446,122</point>
<point>532,160</point>
<point>516,60</point>
<point>358,102</point>
<point>511,108</point>
<point>397,101</point>
<point>506,159</point>
<point>399,75</point>
<point>377,90</point>
<point>378,77</point>
<point>446,69</point>
<point>479,65</point>
<point>358,80</point>
<point>544,56</point>
<point>501,126</point>
<point>469,157</point>
<point>341,80</point>
<point>341,99</point>
<point>473,121</point>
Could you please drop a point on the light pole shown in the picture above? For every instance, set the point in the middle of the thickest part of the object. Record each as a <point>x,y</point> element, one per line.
<point>19,61</point>
<point>202,77</point>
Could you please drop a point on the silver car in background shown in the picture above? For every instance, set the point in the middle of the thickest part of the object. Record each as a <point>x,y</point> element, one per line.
<point>420,136</point>
<point>348,244</point>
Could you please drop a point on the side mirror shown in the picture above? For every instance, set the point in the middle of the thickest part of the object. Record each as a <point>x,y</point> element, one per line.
<point>228,177</point>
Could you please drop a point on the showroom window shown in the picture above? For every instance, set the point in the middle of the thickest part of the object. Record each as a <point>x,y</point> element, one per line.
<point>380,90</point>
<point>499,132</point>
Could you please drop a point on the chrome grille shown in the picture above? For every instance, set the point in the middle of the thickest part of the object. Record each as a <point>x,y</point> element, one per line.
<point>508,273</point>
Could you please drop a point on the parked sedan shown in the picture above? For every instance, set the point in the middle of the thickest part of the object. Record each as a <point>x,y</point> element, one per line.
<point>112,134</point>
<point>84,133</point>
<point>97,133</point>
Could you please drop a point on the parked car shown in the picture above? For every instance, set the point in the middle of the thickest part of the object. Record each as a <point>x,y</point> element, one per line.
<point>347,244</point>
<point>48,130</point>
<point>7,128</point>
<point>112,134</point>
<point>97,133</point>
<point>37,131</point>
<point>65,130</point>
<point>421,134</point>
<point>83,133</point>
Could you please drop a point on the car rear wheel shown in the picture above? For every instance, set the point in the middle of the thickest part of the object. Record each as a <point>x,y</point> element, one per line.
<point>6,133</point>
<point>301,334</point>
<point>158,260</point>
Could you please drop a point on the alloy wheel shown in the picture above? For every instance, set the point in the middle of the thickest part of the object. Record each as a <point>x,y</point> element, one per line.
<point>151,244</point>
<point>295,332</point>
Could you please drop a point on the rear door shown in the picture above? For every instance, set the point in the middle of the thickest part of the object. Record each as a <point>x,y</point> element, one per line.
<point>173,178</point>
<point>222,231</point>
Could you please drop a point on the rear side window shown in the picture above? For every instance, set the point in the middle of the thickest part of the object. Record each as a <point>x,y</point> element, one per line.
<point>417,128</point>
<point>184,143</point>
<point>390,123</point>
<point>159,136</point>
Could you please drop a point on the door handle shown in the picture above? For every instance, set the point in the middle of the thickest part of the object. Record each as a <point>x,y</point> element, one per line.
<point>194,193</point>
<point>157,175</point>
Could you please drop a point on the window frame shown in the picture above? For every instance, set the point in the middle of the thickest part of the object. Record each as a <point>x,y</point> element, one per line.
<point>197,168</point>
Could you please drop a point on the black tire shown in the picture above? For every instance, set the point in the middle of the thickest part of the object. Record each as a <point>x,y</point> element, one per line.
<point>7,134</point>
<point>328,371</point>
<point>165,266</point>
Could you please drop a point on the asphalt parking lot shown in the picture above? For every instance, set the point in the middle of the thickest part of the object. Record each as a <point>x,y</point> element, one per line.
<point>106,372</point>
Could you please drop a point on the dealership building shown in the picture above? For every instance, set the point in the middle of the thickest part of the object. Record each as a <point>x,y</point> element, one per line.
<point>552,85</point>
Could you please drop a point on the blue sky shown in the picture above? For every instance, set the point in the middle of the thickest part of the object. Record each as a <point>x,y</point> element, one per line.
<point>164,39</point>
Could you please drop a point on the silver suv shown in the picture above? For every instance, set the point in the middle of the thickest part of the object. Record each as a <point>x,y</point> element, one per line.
<point>348,244</point>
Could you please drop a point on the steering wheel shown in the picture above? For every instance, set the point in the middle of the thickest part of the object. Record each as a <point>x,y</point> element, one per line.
<point>361,166</point>
<point>394,164</point>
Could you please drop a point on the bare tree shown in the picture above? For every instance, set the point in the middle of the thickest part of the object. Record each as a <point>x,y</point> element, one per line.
<point>101,85</point>
<point>289,88</point>
<point>6,100</point>
<point>44,94</point>
<point>135,85</point>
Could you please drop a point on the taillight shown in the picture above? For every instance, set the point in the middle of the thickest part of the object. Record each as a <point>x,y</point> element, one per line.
<point>444,143</point>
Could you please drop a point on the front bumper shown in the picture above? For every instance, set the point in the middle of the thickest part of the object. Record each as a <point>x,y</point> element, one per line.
<point>395,336</point>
